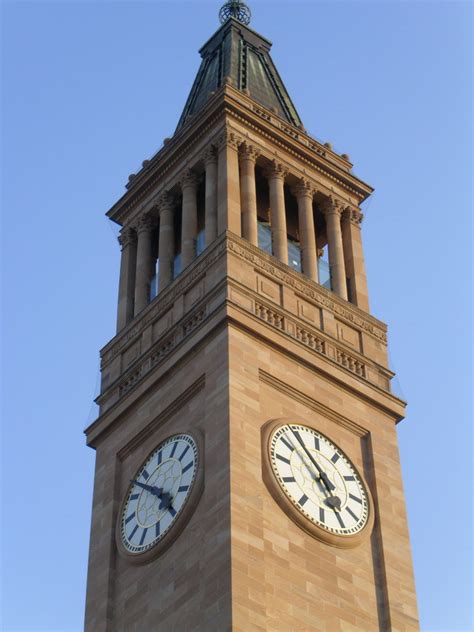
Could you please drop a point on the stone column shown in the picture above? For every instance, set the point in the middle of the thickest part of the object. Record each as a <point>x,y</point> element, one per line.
<point>189,186</point>
<point>228,188</point>
<point>276,180</point>
<point>166,241</point>
<point>248,193</point>
<point>354,257</point>
<point>304,194</point>
<point>210,161</point>
<point>128,263</point>
<point>144,263</point>
<point>332,210</point>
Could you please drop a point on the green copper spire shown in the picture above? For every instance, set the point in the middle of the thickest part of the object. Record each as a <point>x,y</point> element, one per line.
<point>238,56</point>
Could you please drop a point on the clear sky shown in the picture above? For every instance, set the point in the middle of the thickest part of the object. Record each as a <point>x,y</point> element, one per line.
<point>90,89</point>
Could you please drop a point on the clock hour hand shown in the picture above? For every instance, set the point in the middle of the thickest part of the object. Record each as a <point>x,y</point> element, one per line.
<point>165,498</point>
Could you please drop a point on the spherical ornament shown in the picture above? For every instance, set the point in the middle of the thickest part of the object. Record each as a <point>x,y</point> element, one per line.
<point>237,10</point>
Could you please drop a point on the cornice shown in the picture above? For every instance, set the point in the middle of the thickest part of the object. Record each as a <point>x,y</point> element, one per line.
<point>234,103</point>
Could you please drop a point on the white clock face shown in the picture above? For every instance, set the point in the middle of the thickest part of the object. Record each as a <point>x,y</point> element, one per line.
<point>158,493</point>
<point>319,479</point>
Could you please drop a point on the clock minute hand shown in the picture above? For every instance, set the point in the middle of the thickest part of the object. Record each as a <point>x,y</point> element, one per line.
<point>324,477</point>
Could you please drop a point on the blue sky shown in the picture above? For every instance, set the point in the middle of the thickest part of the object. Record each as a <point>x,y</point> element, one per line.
<point>90,89</point>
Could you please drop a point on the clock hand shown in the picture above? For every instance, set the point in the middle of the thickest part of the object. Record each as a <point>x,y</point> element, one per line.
<point>333,501</point>
<point>165,498</point>
<point>149,488</point>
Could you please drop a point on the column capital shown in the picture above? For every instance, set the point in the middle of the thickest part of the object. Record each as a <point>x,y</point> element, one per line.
<point>209,156</point>
<point>276,170</point>
<point>165,202</point>
<point>228,138</point>
<point>248,152</point>
<point>127,237</point>
<point>354,215</point>
<point>145,222</point>
<point>189,179</point>
<point>303,189</point>
<point>331,205</point>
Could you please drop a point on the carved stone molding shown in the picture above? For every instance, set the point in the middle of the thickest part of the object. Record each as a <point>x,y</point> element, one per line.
<point>145,222</point>
<point>331,204</point>
<point>157,308</point>
<point>304,188</point>
<point>276,170</point>
<point>189,180</point>
<point>316,293</point>
<point>161,350</point>
<point>165,202</point>
<point>248,152</point>
<point>127,237</point>
<point>353,215</point>
<point>209,156</point>
<point>229,138</point>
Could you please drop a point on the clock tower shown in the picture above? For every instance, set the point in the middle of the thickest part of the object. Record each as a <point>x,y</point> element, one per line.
<point>247,471</point>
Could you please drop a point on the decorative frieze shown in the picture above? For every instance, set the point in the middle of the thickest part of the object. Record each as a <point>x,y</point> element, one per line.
<point>316,293</point>
<point>281,320</point>
<point>160,351</point>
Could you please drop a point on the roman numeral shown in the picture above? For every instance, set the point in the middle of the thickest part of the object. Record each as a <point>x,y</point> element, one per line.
<point>131,516</point>
<point>282,458</point>
<point>185,469</point>
<point>142,539</point>
<point>133,532</point>
<point>160,456</point>
<point>185,450</point>
<point>349,478</point>
<point>335,457</point>
<point>145,475</point>
<point>316,443</point>
<point>321,514</point>
<point>157,529</point>
<point>351,513</point>
<point>302,500</point>
<point>134,496</point>
<point>287,443</point>
<point>340,520</point>
<point>172,511</point>
<point>355,498</point>
<point>183,488</point>
<point>174,449</point>
<point>289,479</point>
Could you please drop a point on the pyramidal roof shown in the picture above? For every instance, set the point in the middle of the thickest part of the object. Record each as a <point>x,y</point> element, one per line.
<point>238,55</point>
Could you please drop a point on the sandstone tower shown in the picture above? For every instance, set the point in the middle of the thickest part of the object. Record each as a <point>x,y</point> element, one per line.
<point>247,470</point>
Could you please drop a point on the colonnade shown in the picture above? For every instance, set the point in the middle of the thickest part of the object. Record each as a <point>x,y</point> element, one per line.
<point>231,204</point>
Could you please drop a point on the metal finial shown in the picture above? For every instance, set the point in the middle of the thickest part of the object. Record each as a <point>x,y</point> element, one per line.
<point>235,9</point>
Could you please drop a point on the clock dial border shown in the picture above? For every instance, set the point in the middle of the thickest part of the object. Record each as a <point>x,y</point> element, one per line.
<point>342,541</point>
<point>184,515</point>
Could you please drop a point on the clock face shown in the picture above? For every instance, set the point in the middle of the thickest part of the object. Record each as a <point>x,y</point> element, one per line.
<point>319,480</point>
<point>158,493</point>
